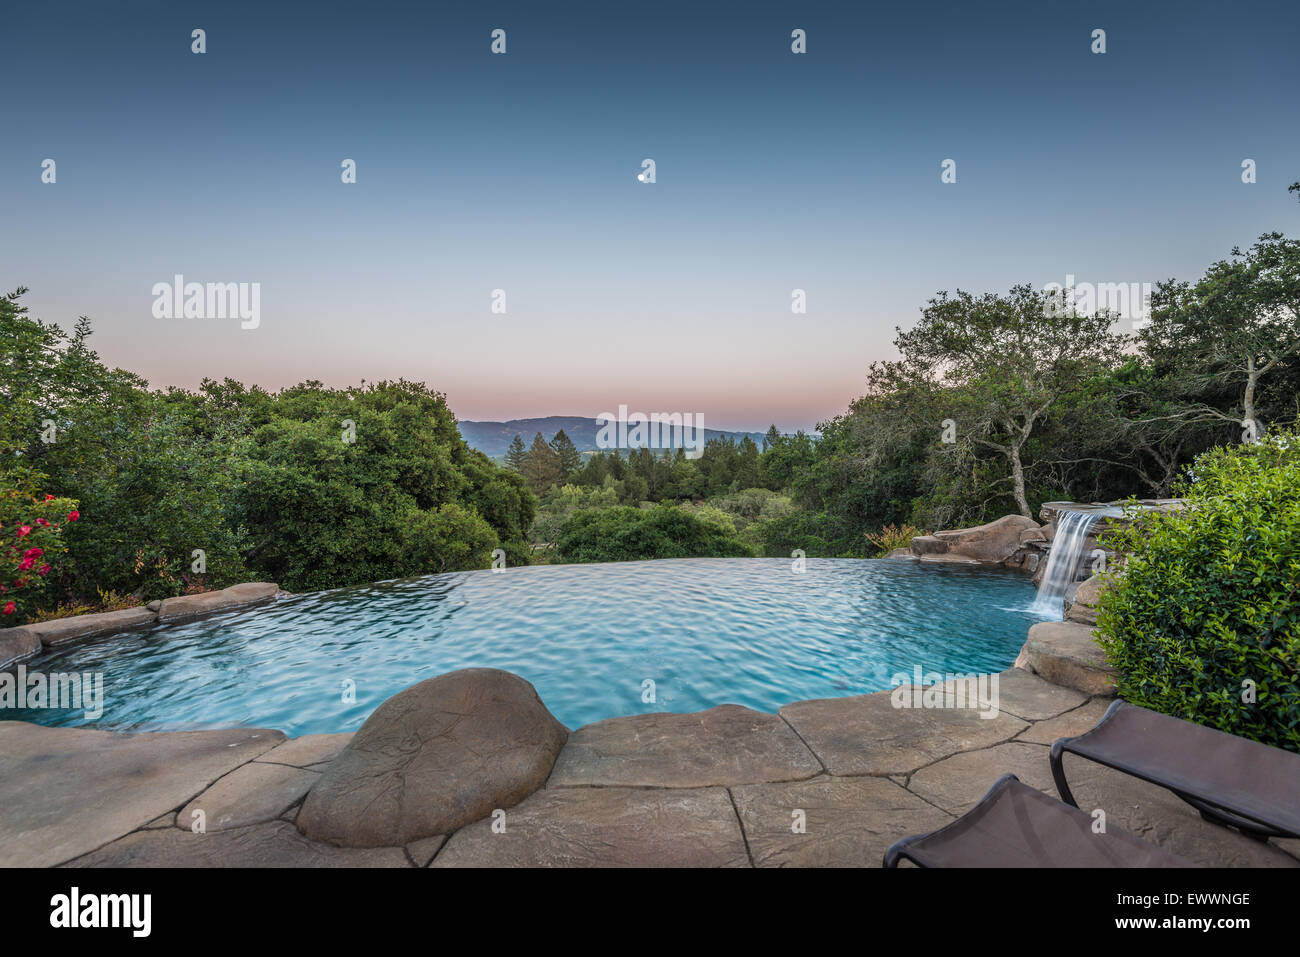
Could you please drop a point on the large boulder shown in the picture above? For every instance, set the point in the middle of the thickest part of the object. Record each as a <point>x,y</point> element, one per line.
<point>1035,535</point>
<point>18,644</point>
<point>1066,653</point>
<point>1081,602</point>
<point>433,758</point>
<point>923,545</point>
<point>995,542</point>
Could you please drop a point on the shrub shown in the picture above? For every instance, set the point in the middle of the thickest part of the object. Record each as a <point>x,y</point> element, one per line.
<point>1208,605</point>
<point>106,601</point>
<point>565,502</point>
<point>400,496</point>
<point>628,534</point>
<point>891,537</point>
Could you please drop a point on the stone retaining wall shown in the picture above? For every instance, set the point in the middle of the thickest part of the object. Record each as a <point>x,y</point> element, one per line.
<point>26,641</point>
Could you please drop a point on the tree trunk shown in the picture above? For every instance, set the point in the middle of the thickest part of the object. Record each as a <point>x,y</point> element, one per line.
<point>1248,402</point>
<point>1018,482</point>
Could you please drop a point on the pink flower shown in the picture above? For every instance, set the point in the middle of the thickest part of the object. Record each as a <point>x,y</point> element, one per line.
<point>73,515</point>
<point>9,608</point>
<point>23,530</point>
<point>43,570</point>
<point>49,498</point>
<point>43,522</point>
<point>25,564</point>
<point>34,553</point>
<point>21,583</point>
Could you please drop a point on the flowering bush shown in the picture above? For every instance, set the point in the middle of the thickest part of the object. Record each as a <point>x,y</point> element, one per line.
<point>30,543</point>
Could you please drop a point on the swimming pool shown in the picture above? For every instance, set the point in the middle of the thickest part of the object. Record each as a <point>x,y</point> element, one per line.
<point>703,632</point>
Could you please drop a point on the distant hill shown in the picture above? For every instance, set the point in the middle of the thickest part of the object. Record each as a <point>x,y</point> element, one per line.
<point>493,438</point>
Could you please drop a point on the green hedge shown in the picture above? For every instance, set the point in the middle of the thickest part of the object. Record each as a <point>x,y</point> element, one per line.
<point>1209,602</point>
<point>628,534</point>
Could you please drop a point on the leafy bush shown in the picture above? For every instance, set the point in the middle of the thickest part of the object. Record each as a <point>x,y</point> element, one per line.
<point>154,496</point>
<point>628,534</point>
<point>1208,605</point>
<point>565,502</point>
<point>891,537</point>
<point>397,493</point>
<point>311,487</point>
<point>106,601</point>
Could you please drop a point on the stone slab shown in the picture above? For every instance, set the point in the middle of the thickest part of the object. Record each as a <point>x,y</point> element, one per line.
<point>422,851</point>
<point>309,750</point>
<point>1033,698</point>
<point>250,794</point>
<point>66,791</point>
<point>65,631</point>
<point>275,844</point>
<point>866,734</point>
<point>184,607</point>
<point>1069,725</point>
<point>956,784</point>
<point>722,746</point>
<point>848,822</point>
<point>606,827</point>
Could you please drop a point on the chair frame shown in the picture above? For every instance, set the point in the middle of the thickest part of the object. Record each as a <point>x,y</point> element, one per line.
<point>1254,828</point>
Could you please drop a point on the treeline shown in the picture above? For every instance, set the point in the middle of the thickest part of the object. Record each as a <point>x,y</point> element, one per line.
<point>724,465</point>
<point>726,498</point>
<point>996,404</point>
<point>177,490</point>
<point>112,492</point>
<point>1001,402</point>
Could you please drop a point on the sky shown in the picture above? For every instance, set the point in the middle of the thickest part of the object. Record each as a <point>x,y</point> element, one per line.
<point>475,172</point>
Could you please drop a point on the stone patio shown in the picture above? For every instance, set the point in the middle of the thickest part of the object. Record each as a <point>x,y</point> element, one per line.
<point>823,783</point>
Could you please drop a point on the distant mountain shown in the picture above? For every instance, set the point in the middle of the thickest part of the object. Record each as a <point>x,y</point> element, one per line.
<point>493,438</point>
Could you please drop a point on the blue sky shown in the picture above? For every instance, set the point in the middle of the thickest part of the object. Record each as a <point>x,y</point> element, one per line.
<point>477,172</point>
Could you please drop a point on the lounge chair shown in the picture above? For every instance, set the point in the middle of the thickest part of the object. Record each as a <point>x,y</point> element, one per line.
<point>1014,825</point>
<point>1233,781</point>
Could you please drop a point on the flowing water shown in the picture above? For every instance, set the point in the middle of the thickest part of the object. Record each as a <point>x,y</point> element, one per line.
<point>1064,560</point>
<point>705,631</point>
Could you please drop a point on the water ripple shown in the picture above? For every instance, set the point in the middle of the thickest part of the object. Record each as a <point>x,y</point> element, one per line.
<point>706,631</point>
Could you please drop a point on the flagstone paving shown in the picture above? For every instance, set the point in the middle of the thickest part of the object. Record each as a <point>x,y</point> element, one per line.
<point>721,746</point>
<point>66,791</point>
<point>823,783</point>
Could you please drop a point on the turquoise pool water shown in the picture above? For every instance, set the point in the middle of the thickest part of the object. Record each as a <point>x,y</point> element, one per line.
<point>705,631</point>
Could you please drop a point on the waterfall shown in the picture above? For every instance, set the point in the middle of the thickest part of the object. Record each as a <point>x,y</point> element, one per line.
<point>1063,560</point>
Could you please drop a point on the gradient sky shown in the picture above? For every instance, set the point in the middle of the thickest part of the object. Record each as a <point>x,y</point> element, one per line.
<point>478,172</point>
